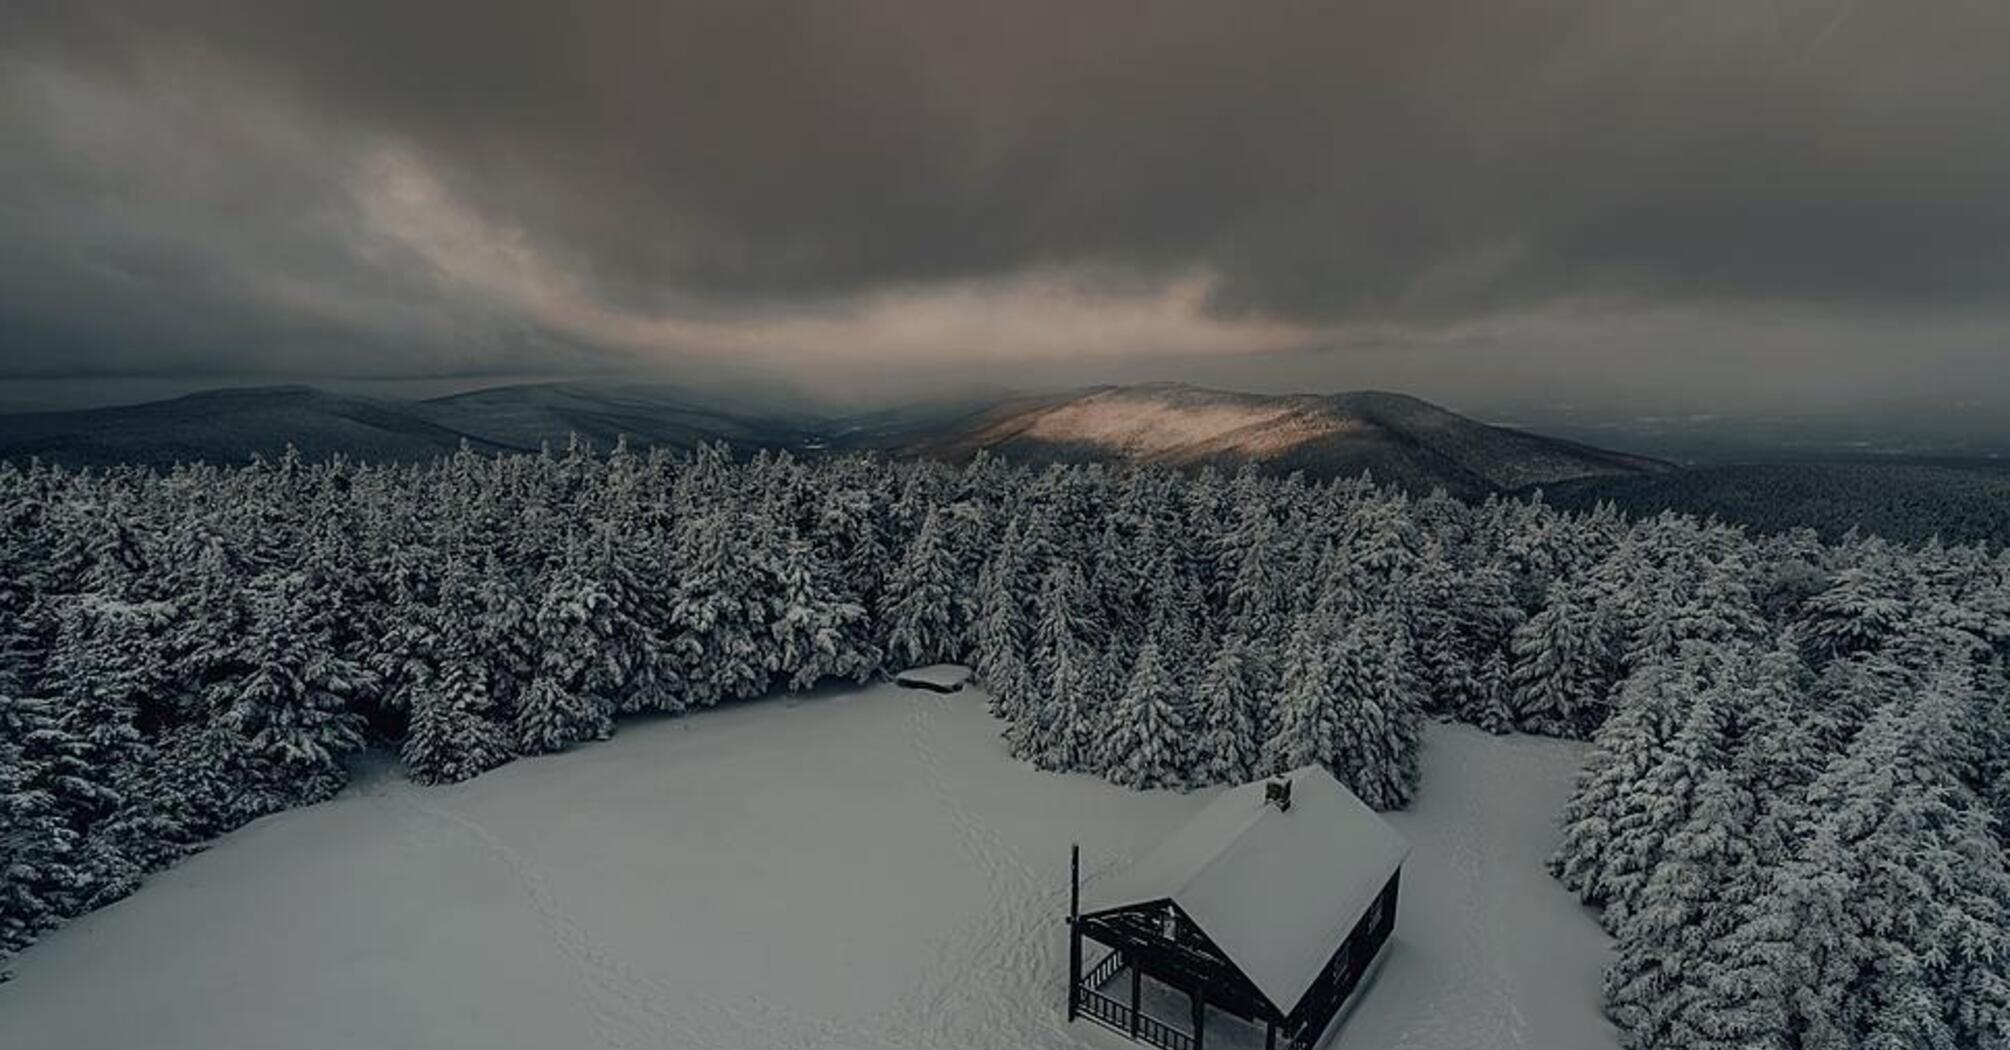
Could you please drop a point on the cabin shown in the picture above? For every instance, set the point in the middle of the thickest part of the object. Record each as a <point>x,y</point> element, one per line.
<point>1267,906</point>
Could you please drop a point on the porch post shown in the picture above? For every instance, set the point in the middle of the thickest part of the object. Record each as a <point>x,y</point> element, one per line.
<point>1199,1016</point>
<point>1270,1036</point>
<point>1137,998</point>
<point>1074,929</point>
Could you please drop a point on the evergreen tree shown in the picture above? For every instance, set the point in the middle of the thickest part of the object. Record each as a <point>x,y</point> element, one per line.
<point>39,878</point>
<point>1308,706</point>
<point>818,634</point>
<point>1061,728</point>
<point>1489,707</point>
<point>570,698</point>
<point>1227,747</point>
<point>1559,666</point>
<point>1657,807</point>
<point>1864,605</point>
<point>920,598</point>
<point>1625,751</point>
<point>718,622</point>
<point>1001,633</point>
<point>1691,903</point>
<point>292,704</point>
<point>1146,733</point>
<point>1379,728</point>
<point>455,732</point>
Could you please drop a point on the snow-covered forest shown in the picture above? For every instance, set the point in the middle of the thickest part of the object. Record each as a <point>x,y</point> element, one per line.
<point>1793,816</point>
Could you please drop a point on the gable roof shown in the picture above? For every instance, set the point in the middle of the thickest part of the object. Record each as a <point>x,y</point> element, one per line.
<point>1276,890</point>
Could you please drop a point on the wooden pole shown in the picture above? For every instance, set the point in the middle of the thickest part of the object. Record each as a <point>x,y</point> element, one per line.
<point>1074,929</point>
<point>1270,1036</point>
<point>1137,998</point>
<point>1199,1016</point>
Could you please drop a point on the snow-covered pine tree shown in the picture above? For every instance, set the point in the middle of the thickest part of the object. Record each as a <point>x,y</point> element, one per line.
<point>718,622</point>
<point>293,702</point>
<point>1885,927</point>
<point>1659,805</point>
<point>1379,727</point>
<point>40,880</point>
<point>1227,747</point>
<point>1652,706</point>
<point>1865,604</point>
<point>1256,591</point>
<point>1062,723</point>
<point>1002,633</point>
<point>455,730</point>
<point>570,698</point>
<point>1308,705</point>
<point>818,633</point>
<point>1488,707</point>
<point>1146,743</point>
<point>920,620</point>
<point>1560,661</point>
<point>1708,878</point>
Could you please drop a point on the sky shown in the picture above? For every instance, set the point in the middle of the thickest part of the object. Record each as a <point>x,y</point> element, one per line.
<point>1704,206</point>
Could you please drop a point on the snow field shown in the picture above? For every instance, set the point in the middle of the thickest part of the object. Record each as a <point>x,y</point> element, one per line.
<point>851,869</point>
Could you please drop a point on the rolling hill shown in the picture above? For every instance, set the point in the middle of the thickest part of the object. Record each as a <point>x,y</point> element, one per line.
<point>1400,439</point>
<point>231,426</point>
<point>528,416</point>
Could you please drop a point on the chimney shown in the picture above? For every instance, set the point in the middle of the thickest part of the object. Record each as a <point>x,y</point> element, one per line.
<point>1278,792</point>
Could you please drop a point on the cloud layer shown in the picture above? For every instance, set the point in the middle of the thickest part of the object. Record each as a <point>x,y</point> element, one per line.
<point>427,186</point>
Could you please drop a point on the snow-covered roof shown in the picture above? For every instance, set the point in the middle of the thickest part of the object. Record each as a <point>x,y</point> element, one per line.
<point>943,678</point>
<point>1277,890</point>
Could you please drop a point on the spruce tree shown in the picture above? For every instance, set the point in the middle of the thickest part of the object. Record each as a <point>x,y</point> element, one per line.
<point>1227,747</point>
<point>1652,705</point>
<point>1488,706</point>
<point>1693,899</point>
<point>818,633</point>
<point>292,703</point>
<point>1658,806</point>
<point>570,698</point>
<point>718,625</point>
<point>1560,660</point>
<point>1001,632</point>
<point>455,730</point>
<point>1061,727</point>
<point>1308,706</point>
<point>1146,738</point>
<point>919,614</point>
<point>40,880</point>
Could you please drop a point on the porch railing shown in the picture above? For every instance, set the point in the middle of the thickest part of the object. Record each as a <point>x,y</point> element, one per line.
<point>1162,1035</point>
<point>1102,972</point>
<point>1116,1017</point>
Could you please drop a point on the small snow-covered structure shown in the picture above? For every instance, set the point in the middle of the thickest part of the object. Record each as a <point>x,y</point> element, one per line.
<point>941,678</point>
<point>1269,904</point>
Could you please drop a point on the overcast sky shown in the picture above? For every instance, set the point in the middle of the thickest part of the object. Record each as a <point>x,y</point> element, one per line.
<point>1752,205</point>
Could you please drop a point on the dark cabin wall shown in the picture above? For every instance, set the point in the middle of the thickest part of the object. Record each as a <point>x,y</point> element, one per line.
<point>1308,1020</point>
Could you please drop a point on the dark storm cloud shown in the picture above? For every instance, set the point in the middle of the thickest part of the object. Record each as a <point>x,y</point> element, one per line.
<point>1415,162</point>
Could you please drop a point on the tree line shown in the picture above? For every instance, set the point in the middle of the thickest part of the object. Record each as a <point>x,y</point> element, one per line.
<point>1784,729</point>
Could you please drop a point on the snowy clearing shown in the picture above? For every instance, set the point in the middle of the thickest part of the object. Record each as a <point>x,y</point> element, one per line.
<point>851,869</point>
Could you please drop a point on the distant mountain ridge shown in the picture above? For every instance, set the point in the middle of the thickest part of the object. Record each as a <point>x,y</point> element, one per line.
<point>1398,438</point>
<point>231,426</point>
